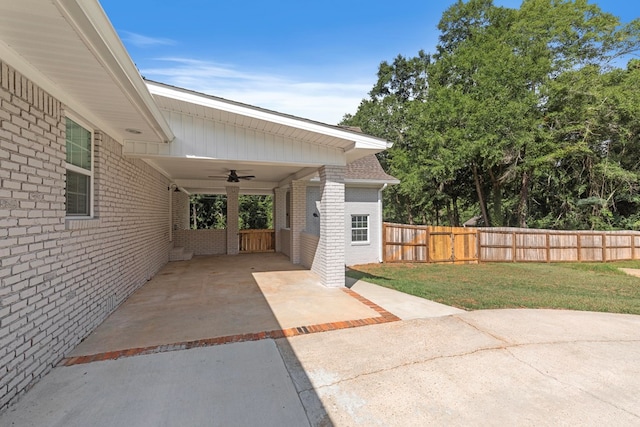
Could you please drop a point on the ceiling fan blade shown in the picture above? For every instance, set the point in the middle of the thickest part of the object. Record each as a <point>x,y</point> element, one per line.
<point>232,176</point>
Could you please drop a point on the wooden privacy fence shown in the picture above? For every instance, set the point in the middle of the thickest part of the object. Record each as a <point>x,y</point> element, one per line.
<point>526,245</point>
<point>415,243</point>
<point>410,243</point>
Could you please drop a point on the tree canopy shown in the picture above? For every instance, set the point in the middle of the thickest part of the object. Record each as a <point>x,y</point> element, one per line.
<point>521,116</point>
<point>210,211</point>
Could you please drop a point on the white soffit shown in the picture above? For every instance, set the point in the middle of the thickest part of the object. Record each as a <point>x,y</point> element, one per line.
<point>249,117</point>
<point>70,49</point>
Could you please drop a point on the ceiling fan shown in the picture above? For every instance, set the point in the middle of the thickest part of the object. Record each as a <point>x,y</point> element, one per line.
<point>234,177</point>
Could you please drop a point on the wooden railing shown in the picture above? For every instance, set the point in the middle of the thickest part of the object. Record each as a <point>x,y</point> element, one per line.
<point>410,243</point>
<point>257,240</point>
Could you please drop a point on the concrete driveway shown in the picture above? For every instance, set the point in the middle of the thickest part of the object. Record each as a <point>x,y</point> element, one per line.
<point>497,367</point>
<point>422,364</point>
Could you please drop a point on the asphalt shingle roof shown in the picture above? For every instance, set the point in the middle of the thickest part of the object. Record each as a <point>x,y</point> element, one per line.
<point>368,168</point>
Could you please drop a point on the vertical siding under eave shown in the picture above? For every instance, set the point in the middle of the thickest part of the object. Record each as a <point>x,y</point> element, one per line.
<point>196,136</point>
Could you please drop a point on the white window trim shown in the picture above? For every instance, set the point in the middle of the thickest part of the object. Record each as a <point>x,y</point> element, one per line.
<point>77,169</point>
<point>360,242</point>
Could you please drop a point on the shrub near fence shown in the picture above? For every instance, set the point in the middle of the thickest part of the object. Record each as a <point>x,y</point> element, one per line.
<point>409,243</point>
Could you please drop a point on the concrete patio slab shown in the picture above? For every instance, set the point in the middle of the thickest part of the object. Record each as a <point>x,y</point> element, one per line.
<point>218,296</point>
<point>241,384</point>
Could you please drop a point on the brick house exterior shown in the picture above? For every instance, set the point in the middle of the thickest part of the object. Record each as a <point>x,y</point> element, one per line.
<point>61,278</point>
<point>62,274</point>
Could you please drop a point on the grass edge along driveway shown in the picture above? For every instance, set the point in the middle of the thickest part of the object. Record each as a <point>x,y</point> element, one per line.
<point>572,286</point>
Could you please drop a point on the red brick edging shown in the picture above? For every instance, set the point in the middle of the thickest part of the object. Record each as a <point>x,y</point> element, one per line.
<point>384,317</point>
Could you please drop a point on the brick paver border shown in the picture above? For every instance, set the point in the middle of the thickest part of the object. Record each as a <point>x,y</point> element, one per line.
<point>385,317</point>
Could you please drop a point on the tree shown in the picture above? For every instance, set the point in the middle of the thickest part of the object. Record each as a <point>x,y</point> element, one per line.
<point>210,211</point>
<point>510,98</point>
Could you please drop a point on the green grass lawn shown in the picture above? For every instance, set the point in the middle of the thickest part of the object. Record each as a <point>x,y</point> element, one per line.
<point>574,286</point>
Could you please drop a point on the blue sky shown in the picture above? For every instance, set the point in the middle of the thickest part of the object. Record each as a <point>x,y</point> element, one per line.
<point>315,59</point>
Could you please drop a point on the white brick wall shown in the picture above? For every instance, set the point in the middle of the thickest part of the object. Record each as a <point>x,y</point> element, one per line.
<point>233,243</point>
<point>285,239</point>
<point>313,205</point>
<point>298,217</point>
<point>60,279</point>
<point>308,247</point>
<point>180,210</point>
<point>201,242</point>
<point>280,215</point>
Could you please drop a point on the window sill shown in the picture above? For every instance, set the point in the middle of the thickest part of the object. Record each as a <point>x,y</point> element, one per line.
<point>81,223</point>
<point>360,243</point>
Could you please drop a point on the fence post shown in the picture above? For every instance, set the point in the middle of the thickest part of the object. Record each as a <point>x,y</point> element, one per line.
<point>604,247</point>
<point>453,247</point>
<point>633,246</point>
<point>578,245</point>
<point>384,242</point>
<point>513,246</point>
<point>548,244</point>
<point>478,246</point>
<point>428,244</point>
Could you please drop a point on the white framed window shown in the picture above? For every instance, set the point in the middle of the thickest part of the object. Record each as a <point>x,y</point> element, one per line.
<point>79,183</point>
<point>360,228</point>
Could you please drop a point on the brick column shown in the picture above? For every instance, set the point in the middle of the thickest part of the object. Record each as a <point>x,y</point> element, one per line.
<point>233,244</point>
<point>180,212</point>
<point>298,217</point>
<point>279,214</point>
<point>330,255</point>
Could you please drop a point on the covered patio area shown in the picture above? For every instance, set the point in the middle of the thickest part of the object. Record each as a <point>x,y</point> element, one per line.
<point>212,300</point>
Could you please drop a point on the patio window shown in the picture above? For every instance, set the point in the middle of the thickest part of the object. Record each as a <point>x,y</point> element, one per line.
<point>79,184</point>
<point>360,228</point>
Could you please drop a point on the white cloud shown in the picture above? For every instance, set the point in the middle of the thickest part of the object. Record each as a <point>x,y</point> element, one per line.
<point>141,41</point>
<point>323,101</point>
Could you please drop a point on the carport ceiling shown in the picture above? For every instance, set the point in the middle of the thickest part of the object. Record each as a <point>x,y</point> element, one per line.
<point>193,175</point>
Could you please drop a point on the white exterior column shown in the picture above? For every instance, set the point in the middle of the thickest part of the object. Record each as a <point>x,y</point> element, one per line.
<point>329,263</point>
<point>233,244</point>
<point>279,214</point>
<point>298,217</point>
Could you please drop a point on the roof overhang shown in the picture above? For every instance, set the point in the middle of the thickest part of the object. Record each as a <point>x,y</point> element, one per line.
<point>248,116</point>
<point>42,39</point>
<point>215,135</point>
